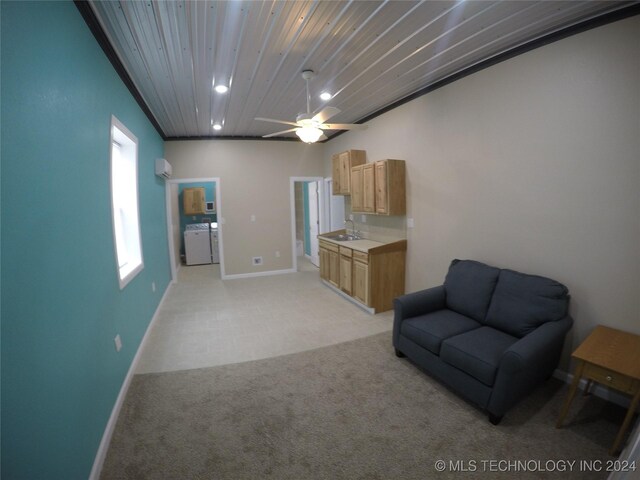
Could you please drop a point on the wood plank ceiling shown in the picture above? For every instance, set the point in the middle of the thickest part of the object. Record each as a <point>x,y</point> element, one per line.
<point>367,54</point>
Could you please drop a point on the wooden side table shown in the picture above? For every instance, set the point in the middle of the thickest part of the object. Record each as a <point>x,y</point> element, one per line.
<point>612,358</point>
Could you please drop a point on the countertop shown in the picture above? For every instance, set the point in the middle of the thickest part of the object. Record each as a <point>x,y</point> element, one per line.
<point>362,245</point>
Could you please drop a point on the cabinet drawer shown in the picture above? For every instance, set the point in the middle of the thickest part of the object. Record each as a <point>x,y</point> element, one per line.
<point>361,256</point>
<point>345,251</point>
<point>329,246</point>
<point>608,378</point>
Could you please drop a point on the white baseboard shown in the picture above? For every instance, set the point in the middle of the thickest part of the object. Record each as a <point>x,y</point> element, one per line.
<point>370,310</point>
<point>101,454</point>
<point>257,274</point>
<point>598,390</point>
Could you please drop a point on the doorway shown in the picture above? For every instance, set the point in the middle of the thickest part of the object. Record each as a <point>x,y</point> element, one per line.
<point>307,220</point>
<point>178,222</point>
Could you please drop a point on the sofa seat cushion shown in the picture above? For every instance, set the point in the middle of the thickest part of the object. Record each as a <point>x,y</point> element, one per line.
<point>431,329</point>
<point>521,302</point>
<point>469,286</point>
<point>477,353</point>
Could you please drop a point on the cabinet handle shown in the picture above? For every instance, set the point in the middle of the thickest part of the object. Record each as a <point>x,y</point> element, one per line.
<point>609,378</point>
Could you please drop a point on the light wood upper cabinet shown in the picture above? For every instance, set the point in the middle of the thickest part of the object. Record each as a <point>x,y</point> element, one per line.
<point>357,188</point>
<point>193,201</point>
<point>390,187</point>
<point>341,171</point>
<point>369,190</point>
<point>379,188</point>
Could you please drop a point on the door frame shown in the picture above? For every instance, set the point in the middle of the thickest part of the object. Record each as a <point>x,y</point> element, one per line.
<point>292,204</point>
<point>168,199</point>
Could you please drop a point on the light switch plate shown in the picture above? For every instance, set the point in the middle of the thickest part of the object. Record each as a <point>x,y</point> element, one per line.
<point>410,223</point>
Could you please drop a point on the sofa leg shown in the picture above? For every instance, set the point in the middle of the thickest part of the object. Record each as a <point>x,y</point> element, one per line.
<point>495,419</point>
<point>399,354</point>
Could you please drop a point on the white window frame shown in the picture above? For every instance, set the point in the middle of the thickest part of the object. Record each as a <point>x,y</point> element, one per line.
<point>127,249</point>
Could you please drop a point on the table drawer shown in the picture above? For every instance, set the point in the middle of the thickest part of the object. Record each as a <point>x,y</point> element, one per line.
<point>345,251</point>
<point>608,378</point>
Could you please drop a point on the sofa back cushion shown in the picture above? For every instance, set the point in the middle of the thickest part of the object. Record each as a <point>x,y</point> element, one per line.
<point>469,286</point>
<point>521,302</point>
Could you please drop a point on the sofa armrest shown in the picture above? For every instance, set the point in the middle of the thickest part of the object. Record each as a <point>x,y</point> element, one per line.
<point>414,304</point>
<point>534,349</point>
<point>527,363</point>
<point>419,303</point>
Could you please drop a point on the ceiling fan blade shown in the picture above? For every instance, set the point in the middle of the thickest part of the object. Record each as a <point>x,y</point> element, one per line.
<point>325,114</point>
<point>262,119</point>
<point>323,137</point>
<point>280,133</point>
<point>343,126</point>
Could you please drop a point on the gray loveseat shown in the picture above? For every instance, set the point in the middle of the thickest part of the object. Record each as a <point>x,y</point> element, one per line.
<point>492,335</point>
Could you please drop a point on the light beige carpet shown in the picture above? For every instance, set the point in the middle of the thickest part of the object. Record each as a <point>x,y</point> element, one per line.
<point>348,411</point>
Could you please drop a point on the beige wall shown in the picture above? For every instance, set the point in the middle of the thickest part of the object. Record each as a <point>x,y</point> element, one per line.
<point>254,180</point>
<point>532,164</point>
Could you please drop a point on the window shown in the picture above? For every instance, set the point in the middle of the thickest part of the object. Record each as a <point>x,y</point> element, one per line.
<point>124,202</point>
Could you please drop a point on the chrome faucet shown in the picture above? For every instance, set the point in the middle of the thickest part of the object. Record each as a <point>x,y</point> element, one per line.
<point>354,232</point>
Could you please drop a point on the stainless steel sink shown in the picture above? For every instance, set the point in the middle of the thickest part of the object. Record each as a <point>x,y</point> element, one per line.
<point>341,237</point>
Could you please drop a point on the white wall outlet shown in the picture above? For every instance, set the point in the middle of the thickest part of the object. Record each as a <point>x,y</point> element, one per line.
<point>153,286</point>
<point>363,219</point>
<point>253,218</point>
<point>410,223</point>
<point>256,261</point>
<point>118,342</point>
<point>351,217</point>
<point>277,254</point>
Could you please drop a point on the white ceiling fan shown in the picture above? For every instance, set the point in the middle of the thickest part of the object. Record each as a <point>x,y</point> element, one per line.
<point>308,126</point>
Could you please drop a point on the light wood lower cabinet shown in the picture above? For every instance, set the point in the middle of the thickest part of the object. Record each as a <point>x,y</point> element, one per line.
<point>373,278</point>
<point>361,277</point>
<point>346,273</point>
<point>330,263</point>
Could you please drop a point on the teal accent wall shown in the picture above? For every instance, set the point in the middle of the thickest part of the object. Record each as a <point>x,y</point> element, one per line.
<point>305,203</point>
<point>61,305</point>
<point>209,195</point>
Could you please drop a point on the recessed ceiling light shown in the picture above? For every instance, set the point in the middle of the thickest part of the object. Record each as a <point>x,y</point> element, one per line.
<point>221,88</point>
<point>217,126</point>
<point>325,96</point>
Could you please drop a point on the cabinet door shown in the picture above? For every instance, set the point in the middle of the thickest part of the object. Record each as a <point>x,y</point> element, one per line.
<point>335,174</point>
<point>345,173</point>
<point>361,281</point>
<point>193,201</point>
<point>187,201</point>
<point>357,192</point>
<point>334,268</point>
<point>369,188</point>
<point>382,194</point>
<point>324,264</point>
<point>345,274</point>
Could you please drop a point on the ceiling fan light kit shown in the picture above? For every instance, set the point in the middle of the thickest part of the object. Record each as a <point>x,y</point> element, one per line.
<point>309,134</point>
<point>309,127</point>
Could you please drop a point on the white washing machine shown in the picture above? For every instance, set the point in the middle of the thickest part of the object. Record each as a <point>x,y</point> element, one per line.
<point>197,244</point>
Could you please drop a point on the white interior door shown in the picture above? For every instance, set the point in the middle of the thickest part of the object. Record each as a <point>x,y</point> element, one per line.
<point>314,221</point>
